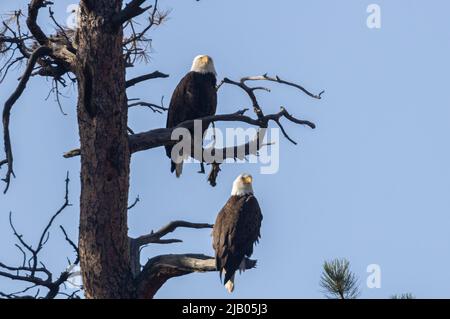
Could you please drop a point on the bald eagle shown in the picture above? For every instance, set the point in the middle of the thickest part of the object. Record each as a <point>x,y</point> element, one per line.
<point>236,230</point>
<point>194,97</point>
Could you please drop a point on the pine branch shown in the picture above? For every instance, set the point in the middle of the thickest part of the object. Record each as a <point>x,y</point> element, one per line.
<point>338,281</point>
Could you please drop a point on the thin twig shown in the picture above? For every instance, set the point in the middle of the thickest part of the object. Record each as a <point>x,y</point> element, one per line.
<point>134,203</point>
<point>38,53</point>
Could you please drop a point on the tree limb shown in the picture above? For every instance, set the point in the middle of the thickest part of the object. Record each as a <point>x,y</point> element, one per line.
<point>35,272</point>
<point>136,244</point>
<point>71,243</point>
<point>137,200</point>
<point>18,38</point>
<point>161,268</point>
<point>131,10</point>
<point>162,136</point>
<point>154,107</point>
<point>31,279</point>
<point>58,62</point>
<point>35,29</point>
<point>155,237</point>
<point>277,79</point>
<point>156,18</point>
<point>145,77</point>
<point>250,92</point>
<point>38,53</point>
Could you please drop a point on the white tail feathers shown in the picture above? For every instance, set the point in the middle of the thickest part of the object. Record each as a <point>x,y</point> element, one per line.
<point>230,285</point>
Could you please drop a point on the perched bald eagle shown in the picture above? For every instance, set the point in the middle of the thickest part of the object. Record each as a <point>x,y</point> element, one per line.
<point>236,230</point>
<point>194,97</point>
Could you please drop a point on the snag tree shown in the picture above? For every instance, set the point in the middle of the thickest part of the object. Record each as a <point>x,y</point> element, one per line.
<point>95,57</point>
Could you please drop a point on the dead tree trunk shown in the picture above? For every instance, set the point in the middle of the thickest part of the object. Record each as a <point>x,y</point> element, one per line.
<point>105,155</point>
<point>98,55</point>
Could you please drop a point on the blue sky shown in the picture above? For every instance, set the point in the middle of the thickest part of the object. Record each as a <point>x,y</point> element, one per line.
<point>371,183</point>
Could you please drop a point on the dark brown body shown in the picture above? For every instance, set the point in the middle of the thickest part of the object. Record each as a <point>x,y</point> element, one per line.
<point>236,230</point>
<point>194,97</point>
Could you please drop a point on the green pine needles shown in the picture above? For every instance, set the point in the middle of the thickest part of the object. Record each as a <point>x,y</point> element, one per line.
<point>338,281</point>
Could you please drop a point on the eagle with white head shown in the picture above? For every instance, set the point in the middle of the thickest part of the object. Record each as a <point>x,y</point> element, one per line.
<point>193,98</point>
<point>237,229</point>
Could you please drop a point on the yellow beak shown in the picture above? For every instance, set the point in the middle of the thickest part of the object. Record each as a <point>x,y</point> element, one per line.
<point>248,179</point>
<point>205,59</point>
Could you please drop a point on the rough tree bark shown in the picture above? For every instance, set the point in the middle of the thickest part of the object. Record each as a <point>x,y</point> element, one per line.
<point>105,156</point>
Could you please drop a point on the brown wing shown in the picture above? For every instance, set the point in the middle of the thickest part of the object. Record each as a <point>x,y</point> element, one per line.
<point>194,97</point>
<point>236,230</point>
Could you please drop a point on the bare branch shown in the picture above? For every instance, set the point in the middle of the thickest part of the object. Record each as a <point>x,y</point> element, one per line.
<point>250,92</point>
<point>156,18</point>
<point>72,153</point>
<point>145,77</point>
<point>162,136</point>
<point>44,235</point>
<point>155,237</point>
<point>71,243</point>
<point>212,177</point>
<point>277,79</point>
<point>136,244</point>
<point>161,268</point>
<point>131,10</point>
<point>18,38</point>
<point>15,295</point>
<point>134,203</point>
<point>39,52</point>
<point>8,65</point>
<point>31,279</point>
<point>154,107</point>
<point>35,29</point>
<point>61,29</point>
<point>58,212</point>
<point>35,272</point>
<point>255,145</point>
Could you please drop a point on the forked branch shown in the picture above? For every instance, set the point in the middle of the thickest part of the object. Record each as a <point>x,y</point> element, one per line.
<point>131,10</point>
<point>277,79</point>
<point>35,29</point>
<point>145,77</point>
<point>156,237</point>
<point>163,136</point>
<point>136,244</point>
<point>161,268</point>
<point>33,271</point>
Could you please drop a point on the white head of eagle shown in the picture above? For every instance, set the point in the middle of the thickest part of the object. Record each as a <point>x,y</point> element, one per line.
<point>194,97</point>
<point>203,64</point>
<point>236,230</point>
<point>242,185</point>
